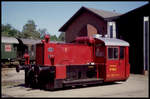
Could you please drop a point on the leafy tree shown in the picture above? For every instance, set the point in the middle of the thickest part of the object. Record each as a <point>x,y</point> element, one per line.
<point>5,29</point>
<point>53,38</point>
<point>8,30</point>
<point>19,35</point>
<point>13,32</point>
<point>29,30</point>
<point>42,32</point>
<point>62,37</point>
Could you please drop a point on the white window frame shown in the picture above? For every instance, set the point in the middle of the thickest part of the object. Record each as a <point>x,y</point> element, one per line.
<point>113,53</point>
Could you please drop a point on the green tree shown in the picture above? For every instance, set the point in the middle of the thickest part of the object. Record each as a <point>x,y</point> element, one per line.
<point>53,38</point>
<point>8,30</point>
<point>5,29</point>
<point>29,30</point>
<point>42,32</point>
<point>62,37</point>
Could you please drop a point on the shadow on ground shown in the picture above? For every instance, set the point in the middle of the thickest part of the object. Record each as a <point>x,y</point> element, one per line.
<point>71,87</point>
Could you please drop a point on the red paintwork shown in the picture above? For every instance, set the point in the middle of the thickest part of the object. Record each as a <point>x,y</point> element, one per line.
<point>60,71</point>
<point>127,65</point>
<point>80,53</point>
<point>27,60</point>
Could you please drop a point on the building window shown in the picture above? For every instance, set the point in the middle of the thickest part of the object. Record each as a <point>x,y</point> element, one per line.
<point>111,31</point>
<point>112,53</point>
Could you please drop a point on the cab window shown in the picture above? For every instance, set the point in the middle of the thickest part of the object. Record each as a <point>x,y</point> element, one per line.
<point>121,52</point>
<point>99,51</point>
<point>112,53</point>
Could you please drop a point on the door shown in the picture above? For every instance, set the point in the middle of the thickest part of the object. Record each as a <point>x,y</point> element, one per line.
<point>113,64</point>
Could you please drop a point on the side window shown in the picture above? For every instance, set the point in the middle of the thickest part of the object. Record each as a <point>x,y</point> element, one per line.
<point>15,47</point>
<point>121,52</point>
<point>112,53</point>
<point>100,52</point>
<point>115,53</point>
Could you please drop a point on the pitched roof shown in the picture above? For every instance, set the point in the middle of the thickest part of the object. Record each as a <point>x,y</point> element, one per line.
<point>103,13</point>
<point>144,7</point>
<point>9,40</point>
<point>106,15</point>
<point>30,41</point>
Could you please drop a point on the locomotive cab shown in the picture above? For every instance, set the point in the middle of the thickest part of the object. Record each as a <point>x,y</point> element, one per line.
<point>113,58</point>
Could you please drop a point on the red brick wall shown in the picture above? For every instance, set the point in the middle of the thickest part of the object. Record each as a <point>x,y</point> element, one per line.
<point>88,24</point>
<point>91,30</point>
<point>83,31</point>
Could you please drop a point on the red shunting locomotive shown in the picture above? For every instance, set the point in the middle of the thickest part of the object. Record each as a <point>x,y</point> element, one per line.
<point>88,60</point>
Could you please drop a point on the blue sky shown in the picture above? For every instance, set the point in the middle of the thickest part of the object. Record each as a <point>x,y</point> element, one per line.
<point>52,15</point>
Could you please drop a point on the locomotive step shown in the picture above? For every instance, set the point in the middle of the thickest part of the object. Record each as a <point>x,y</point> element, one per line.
<point>83,81</point>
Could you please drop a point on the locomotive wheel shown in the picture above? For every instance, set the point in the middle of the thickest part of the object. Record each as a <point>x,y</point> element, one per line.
<point>27,83</point>
<point>30,79</point>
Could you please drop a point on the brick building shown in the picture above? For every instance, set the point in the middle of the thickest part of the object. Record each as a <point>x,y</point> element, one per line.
<point>89,21</point>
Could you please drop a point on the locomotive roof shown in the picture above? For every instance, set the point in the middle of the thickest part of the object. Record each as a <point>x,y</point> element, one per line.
<point>11,40</point>
<point>112,41</point>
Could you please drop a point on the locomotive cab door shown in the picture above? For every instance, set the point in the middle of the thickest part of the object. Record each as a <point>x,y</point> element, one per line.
<point>115,69</point>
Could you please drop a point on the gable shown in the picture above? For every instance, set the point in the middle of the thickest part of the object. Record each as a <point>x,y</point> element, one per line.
<point>106,15</point>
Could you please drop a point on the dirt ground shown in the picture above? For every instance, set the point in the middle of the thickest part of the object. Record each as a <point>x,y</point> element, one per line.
<point>12,85</point>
